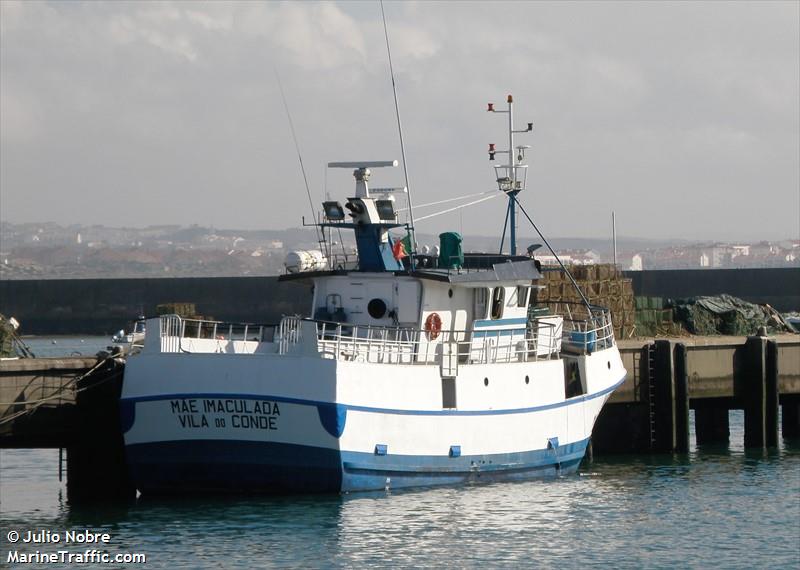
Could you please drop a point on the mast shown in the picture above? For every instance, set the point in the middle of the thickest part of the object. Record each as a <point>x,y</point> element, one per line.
<point>512,205</point>
<point>511,177</point>
<point>614,234</point>
<point>411,229</point>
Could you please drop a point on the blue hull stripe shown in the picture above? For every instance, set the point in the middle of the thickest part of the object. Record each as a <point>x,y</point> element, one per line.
<point>348,407</point>
<point>499,333</point>
<point>500,322</point>
<point>193,466</point>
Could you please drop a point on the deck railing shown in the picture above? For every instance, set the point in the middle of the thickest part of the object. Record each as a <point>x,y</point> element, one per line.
<point>586,329</point>
<point>542,339</point>
<point>175,329</point>
<point>392,345</point>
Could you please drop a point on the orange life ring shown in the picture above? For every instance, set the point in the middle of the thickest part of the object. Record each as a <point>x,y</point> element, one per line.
<point>433,325</point>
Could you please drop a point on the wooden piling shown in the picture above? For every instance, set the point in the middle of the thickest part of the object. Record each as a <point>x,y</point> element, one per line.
<point>761,393</point>
<point>681,379</point>
<point>755,391</point>
<point>790,416</point>
<point>771,394</point>
<point>711,423</point>
<point>663,393</point>
<point>96,469</point>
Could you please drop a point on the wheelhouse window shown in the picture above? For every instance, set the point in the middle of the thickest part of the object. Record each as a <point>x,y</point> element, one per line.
<point>522,296</point>
<point>481,297</point>
<point>498,298</point>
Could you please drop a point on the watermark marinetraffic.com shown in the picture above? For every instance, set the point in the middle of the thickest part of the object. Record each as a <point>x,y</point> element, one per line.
<point>67,547</point>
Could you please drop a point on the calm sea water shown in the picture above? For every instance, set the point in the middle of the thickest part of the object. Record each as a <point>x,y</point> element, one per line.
<point>719,506</point>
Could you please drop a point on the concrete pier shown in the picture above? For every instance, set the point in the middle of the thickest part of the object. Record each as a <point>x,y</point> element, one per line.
<point>711,375</point>
<point>69,403</point>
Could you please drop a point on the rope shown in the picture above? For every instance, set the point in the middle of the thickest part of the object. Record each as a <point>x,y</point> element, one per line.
<point>36,404</point>
<point>563,267</point>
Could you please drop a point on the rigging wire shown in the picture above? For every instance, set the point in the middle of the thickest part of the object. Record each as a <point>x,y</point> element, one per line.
<point>449,200</point>
<point>411,232</point>
<point>453,209</point>
<point>505,226</point>
<point>68,388</point>
<point>547,243</point>
<point>320,238</point>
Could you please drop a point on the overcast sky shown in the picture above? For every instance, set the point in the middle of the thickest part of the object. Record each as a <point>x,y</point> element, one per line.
<point>682,117</point>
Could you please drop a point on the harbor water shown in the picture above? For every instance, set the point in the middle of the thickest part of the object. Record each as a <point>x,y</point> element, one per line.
<point>716,506</point>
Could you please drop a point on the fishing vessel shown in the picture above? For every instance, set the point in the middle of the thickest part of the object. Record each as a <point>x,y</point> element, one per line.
<point>407,369</point>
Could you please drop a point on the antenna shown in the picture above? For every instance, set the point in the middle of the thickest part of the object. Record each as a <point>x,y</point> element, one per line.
<point>614,235</point>
<point>411,232</point>
<point>320,235</point>
<point>511,177</point>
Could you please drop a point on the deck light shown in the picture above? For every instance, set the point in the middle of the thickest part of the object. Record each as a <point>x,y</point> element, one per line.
<point>385,210</point>
<point>333,211</point>
<point>355,206</point>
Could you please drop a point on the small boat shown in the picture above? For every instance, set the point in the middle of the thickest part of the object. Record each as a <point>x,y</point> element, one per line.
<point>135,337</point>
<point>406,371</point>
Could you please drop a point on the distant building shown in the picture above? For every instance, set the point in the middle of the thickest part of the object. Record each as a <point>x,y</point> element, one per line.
<point>571,257</point>
<point>740,250</point>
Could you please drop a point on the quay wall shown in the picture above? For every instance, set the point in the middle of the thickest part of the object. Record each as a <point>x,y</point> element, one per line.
<point>714,367</point>
<point>103,306</point>
<point>778,287</point>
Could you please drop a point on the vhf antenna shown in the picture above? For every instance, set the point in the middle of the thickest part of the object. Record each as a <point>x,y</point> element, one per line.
<point>511,177</point>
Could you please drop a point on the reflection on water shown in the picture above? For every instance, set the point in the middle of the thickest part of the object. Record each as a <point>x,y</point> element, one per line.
<point>720,508</point>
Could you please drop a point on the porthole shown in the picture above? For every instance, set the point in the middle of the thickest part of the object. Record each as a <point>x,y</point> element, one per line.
<point>450,293</point>
<point>609,365</point>
<point>485,381</point>
<point>527,380</point>
<point>376,308</point>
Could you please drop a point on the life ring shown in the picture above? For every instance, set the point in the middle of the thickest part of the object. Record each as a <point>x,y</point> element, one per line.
<point>433,325</point>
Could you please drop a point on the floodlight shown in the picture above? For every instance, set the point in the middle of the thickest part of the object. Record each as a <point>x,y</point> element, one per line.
<point>356,207</point>
<point>333,211</point>
<point>385,210</point>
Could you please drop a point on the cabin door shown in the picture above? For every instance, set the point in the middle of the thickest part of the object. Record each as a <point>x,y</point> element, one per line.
<point>480,305</point>
<point>406,302</point>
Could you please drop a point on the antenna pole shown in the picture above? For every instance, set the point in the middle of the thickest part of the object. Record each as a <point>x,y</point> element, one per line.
<point>614,234</point>
<point>512,176</point>
<point>411,232</point>
<point>512,206</point>
<point>320,235</point>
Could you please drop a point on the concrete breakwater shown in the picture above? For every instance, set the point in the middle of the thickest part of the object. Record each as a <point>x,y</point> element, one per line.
<point>103,306</point>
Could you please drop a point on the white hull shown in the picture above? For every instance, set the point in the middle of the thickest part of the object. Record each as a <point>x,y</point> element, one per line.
<point>274,423</point>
